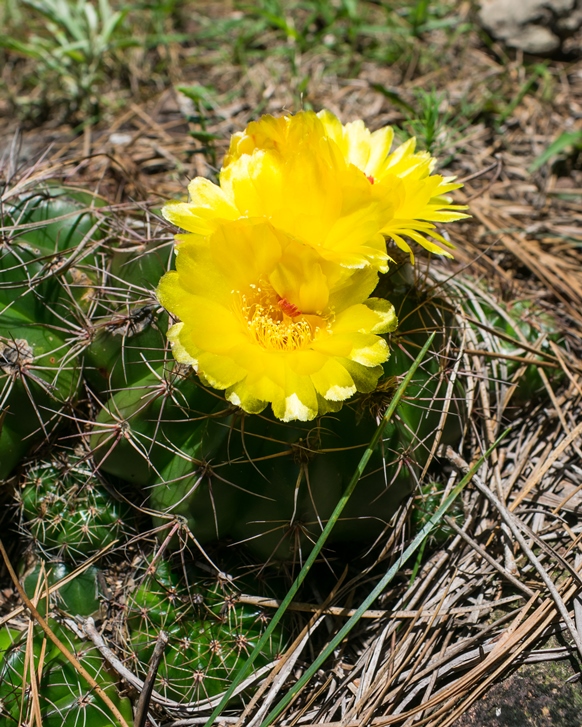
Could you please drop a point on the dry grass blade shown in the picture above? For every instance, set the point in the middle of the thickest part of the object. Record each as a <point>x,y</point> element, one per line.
<point>545,466</point>
<point>62,582</point>
<point>511,523</point>
<point>60,646</point>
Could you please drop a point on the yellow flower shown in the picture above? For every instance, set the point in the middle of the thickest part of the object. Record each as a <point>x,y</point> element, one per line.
<point>272,322</point>
<point>304,186</point>
<point>418,197</point>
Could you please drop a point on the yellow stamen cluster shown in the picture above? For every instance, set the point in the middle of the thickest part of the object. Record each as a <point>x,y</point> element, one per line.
<point>274,322</point>
<point>274,330</point>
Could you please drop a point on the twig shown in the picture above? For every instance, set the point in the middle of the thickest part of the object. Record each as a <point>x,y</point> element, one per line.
<point>510,357</point>
<point>88,626</point>
<point>201,720</point>
<point>143,703</point>
<point>510,339</point>
<point>310,607</point>
<point>541,470</point>
<point>485,555</point>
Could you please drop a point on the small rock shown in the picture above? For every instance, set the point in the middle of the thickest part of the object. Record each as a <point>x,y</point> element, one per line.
<point>533,26</point>
<point>120,139</point>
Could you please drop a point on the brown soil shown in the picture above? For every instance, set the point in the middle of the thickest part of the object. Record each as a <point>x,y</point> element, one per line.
<point>535,696</point>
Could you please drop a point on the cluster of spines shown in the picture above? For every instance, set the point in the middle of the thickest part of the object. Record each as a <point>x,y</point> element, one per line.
<point>67,510</point>
<point>210,633</point>
<point>195,455</point>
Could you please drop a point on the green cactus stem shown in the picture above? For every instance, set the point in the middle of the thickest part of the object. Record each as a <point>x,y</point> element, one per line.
<point>210,632</point>
<point>65,700</point>
<point>67,511</point>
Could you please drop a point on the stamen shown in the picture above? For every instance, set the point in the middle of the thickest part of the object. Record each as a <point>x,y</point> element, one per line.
<point>272,331</point>
<point>275,323</point>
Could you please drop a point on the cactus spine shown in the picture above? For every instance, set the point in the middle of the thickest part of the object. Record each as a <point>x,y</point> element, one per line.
<point>251,478</point>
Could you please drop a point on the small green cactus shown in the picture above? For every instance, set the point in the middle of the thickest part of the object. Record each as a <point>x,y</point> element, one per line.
<point>66,509</point>
<point>210,632</point>
<point>64,698</point>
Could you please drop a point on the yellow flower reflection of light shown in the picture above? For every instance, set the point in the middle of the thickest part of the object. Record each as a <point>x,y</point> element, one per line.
<point>405,177</point>
<point>304,186</point>
<point>266,318</point>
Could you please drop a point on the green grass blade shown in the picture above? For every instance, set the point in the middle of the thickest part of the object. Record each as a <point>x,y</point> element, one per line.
<point>245,669</point>
<point>412,548</point>
<point>109,25</point>
<point>565,140</point>
<point>25,49</point>
<point>418,16</point>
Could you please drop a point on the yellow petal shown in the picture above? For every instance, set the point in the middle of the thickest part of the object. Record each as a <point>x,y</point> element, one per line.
<point>375,315</point>
<point>364,377</point>
<point>333,382</point>
<point>242,251</point>
<point>365,150</point>
<point>221,372</point>
<point>299,402</point>
<point>208,204</point>
<point>178,351</point>
<point>240,395</point>
<point>372,354</point>
<point>353,289</point>
<point>358,318</point>
<point>299,278</point>
<point>387,320</point>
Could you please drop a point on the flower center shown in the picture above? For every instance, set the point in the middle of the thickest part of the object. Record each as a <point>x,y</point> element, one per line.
<point>275,323</point>
<point>273,328</point>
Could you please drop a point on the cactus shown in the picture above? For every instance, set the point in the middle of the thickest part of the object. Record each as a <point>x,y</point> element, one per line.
<point>210,632</point>
<point>85,361</point>
<point>272,485</point>
<point>77,597</point>
<point>84,356</point>
<point>48,268</point>
<point>64,698</point>
<point>251,478</point>
<point>67,511</point>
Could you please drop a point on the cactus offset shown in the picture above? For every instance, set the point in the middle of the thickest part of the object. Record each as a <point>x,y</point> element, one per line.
<point>66,510</point>
<point>210,632</point>
<point>64,698</point>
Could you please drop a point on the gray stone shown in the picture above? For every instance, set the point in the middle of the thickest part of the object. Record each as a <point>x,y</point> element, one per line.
<point>534,26</point>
